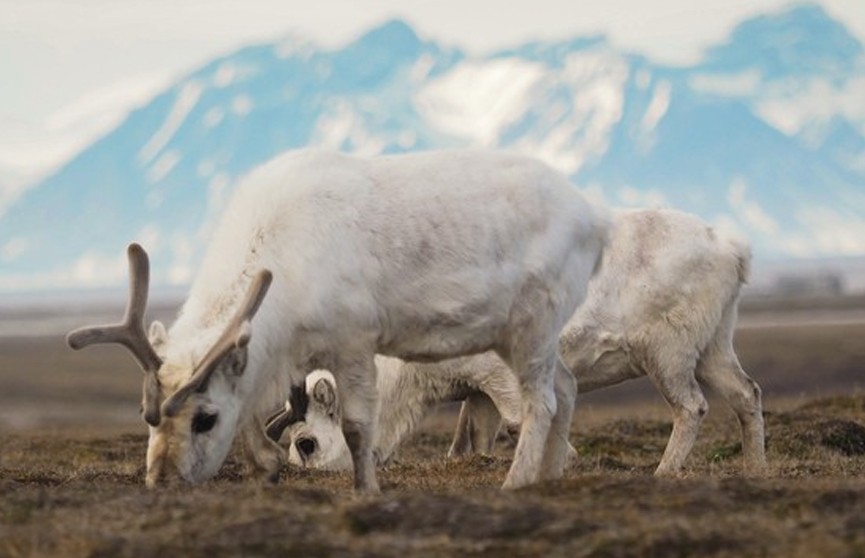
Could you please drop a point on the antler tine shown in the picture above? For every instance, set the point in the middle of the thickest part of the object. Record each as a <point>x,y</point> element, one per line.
<point>139,282</point>
<point>254,296</point>
<point>130,332</point>
<point>235,335</point>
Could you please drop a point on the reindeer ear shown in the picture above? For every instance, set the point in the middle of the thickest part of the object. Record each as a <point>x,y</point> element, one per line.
<point>324,392</point>
<point>157,334</point>
<point>235,362</point>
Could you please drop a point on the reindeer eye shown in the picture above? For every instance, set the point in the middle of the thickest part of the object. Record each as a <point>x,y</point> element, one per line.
<point>203,422</point>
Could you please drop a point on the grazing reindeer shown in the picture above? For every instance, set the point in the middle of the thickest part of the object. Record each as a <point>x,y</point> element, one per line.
<point>408,391</point>
<point>663,305</point>
<point>423,257</point>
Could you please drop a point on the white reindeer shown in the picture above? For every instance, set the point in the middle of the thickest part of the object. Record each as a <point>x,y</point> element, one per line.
<point>423,257</point>
<point>663,305</point>
<point>408,391</point>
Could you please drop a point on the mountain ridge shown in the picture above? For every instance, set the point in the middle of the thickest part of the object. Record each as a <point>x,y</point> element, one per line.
<point>744,143</point>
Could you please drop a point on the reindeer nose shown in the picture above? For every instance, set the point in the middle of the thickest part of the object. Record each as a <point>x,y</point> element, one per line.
<point>305,446</point>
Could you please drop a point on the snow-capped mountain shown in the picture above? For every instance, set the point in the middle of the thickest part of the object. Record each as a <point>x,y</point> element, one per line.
<point>766,135</point>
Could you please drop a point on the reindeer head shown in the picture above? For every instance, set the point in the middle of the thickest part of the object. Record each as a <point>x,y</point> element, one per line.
<point>313,419</point>
<point>190,397</point>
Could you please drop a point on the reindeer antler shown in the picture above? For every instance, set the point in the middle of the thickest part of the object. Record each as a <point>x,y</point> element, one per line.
<point>235,335</point>
<point>130,332</point>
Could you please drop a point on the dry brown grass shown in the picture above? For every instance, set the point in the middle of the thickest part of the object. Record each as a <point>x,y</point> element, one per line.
<point>72,465</point>
<point>84,496</point>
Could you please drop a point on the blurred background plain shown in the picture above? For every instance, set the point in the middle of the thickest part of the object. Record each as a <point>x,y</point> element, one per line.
<point>124,121</point>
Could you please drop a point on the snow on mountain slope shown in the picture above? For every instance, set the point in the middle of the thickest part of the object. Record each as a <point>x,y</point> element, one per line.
<point>801,72</point>
<point>764,136</point>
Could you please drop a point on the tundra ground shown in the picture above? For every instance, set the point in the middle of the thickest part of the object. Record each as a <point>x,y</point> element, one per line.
<point>72,465</point>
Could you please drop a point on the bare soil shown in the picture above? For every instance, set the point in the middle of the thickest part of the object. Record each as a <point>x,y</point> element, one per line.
<point>72,469</point>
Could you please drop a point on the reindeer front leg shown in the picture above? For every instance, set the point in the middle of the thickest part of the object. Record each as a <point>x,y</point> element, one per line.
<point>356,384</point>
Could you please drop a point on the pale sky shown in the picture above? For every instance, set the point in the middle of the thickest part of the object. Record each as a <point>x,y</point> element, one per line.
<point>71,68</point>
